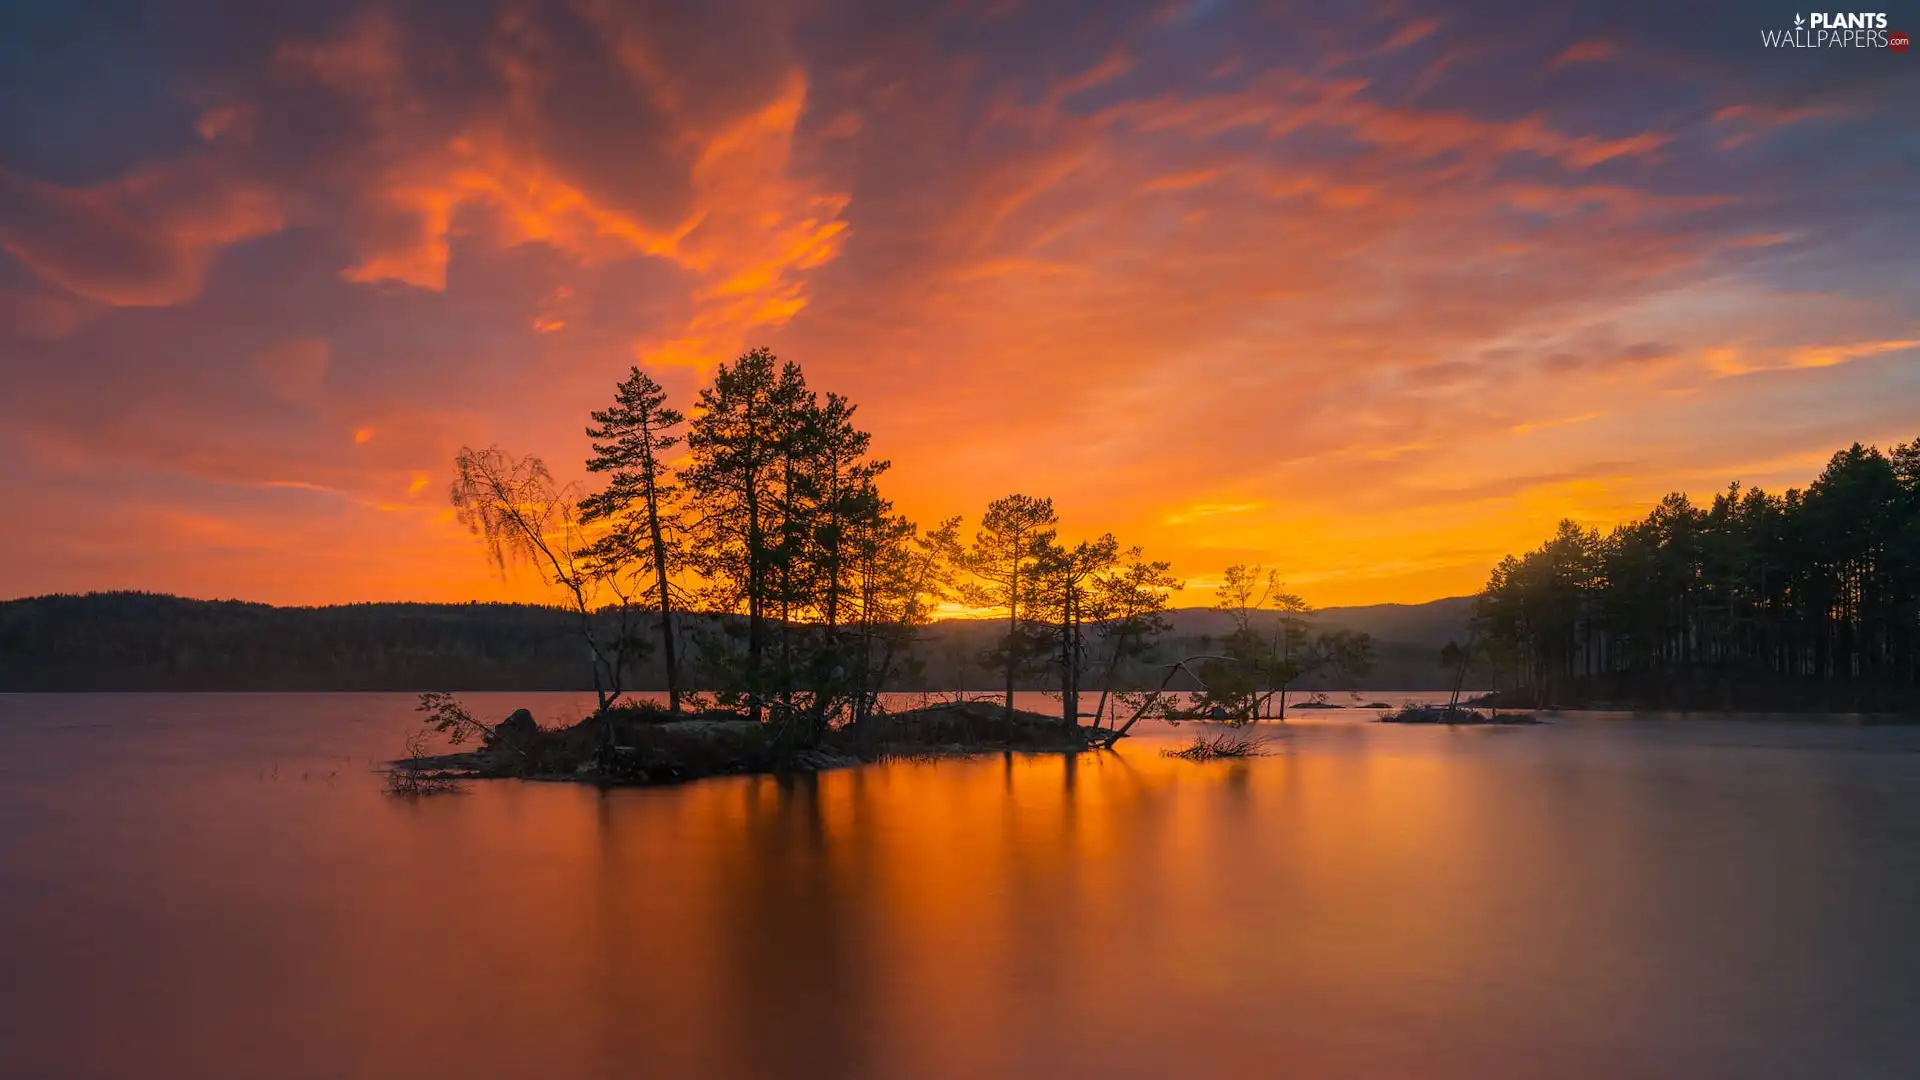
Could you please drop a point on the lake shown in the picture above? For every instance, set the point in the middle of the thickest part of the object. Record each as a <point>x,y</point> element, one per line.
<point>212,886</point>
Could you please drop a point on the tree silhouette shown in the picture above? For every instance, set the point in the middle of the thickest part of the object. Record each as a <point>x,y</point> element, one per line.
<point>1062,587</point>
<point>808,590</point>
<point>1810,596</point>
<point>1271,646</point>
<point>1129,614</point>
<point>1013,538</point>
<point>736,444</point>
<point>631,441</point>
<point>522,515</point>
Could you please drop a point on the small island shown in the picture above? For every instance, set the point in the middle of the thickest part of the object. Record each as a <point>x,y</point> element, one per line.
<point>643,744</point>
<point>784,598</point>
<point>1455,716</point>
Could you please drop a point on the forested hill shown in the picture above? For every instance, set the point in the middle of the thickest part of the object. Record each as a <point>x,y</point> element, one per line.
<point>145,641</point>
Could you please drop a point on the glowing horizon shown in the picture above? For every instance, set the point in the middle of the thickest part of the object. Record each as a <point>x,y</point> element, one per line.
<point>1372,297</point>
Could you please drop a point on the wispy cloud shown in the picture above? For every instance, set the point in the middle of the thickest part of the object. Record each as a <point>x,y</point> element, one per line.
<point>1587,52</point>
<point>1203,511</point>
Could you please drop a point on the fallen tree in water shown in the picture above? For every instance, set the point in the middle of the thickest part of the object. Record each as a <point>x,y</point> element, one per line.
<point>1223,744</point>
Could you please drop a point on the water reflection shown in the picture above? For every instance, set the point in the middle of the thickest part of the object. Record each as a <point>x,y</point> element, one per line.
<point>1588,900</point>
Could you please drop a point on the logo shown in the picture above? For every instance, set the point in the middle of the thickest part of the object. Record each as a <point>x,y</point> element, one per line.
<point>1858,20</point>
<point>1838,29</point>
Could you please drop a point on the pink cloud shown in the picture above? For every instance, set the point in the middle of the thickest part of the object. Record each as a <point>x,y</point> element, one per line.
<point>141,241</point>
<point>1587,52</point>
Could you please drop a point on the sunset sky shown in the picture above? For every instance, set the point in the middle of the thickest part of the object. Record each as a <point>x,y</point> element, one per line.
<point>1373,294</point>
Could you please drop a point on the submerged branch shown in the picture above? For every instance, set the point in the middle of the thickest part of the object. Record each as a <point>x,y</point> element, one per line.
<point>1223,744</point>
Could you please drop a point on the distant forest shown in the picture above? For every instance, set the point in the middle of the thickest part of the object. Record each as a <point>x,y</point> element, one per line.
<point>1807,599</point>
<point>129,641</point>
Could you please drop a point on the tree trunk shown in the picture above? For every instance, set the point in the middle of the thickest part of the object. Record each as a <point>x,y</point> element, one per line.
<point>1013,628</point>
<point>756,587</point>
<point>1067,705</point>
<point>1073,657</point>
<point>787,514</point>
<point>666,603</point>
<point>1120,642</point>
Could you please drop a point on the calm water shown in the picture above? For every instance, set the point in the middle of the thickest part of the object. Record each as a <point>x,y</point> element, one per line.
<point>214,886</point>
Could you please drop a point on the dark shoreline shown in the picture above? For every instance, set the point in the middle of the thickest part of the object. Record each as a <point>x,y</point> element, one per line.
<point>1751,701</point>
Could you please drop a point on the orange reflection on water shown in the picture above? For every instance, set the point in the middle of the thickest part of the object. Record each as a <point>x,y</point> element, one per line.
<point>1574,901</point>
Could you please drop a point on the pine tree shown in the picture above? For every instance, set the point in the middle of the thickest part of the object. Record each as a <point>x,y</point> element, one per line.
<point>733,482</point>
<point>632,439</point>
<point>1013,537</point>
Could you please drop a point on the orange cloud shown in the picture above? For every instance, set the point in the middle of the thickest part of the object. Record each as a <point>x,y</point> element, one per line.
<point>1771,116</point>
<point>1281,103</point>
<point>1417,30</point>
<point>1270,307</point>
<point>749,232</point>
<point>1202,511</point>
<point>1830,355</point>
<point>1181,181</point>
<point>1587,52</point>
<point>1532,426</point>
<point>1114,66</point>
<point>294,370</point>
<point>144,240</point>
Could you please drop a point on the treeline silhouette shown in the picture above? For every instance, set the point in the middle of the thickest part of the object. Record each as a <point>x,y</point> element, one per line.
<point>131,641</point>
<point>750,548</point>
<point>1807,599</point>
